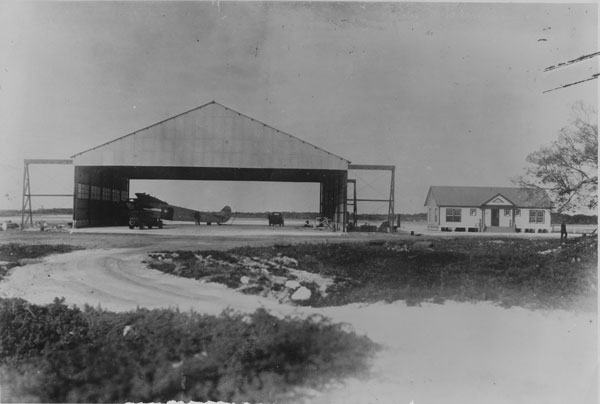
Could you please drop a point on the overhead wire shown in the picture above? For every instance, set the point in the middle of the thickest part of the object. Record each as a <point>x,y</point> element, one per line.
<point>595,76</point>
<point>568,63</point>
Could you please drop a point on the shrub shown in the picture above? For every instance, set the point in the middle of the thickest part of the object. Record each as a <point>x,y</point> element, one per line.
<point>525,272</point>
<point>62,354</point>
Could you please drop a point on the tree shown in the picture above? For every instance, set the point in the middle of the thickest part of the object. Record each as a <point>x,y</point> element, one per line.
<point>568,168</point>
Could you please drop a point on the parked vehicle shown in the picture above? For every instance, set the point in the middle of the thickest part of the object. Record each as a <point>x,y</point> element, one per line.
<point>144,218</point>
<point>9,225</point>
<point>275,218</point>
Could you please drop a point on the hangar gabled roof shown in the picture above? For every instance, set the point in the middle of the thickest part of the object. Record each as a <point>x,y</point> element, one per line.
<point>211,135</point>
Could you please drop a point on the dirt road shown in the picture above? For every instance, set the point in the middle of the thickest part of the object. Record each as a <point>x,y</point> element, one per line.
<point>450,353</point>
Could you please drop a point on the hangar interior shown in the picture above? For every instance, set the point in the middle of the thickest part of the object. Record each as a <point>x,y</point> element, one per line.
<point>208,143</point>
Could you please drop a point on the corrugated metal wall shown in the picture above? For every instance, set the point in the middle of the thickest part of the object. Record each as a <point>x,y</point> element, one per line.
<point>334,199</point>
<point>99,197</point>
<point>211,136</point>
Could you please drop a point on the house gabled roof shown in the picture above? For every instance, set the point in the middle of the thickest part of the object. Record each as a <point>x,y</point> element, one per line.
<point>477,196</point>
<point>498,198</point>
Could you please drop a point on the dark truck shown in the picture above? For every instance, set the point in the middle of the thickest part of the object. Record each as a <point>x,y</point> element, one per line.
<point>140,217</point>
<point>275,218</point>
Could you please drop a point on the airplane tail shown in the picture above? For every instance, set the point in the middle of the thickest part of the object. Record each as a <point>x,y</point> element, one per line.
<point>225,214</point>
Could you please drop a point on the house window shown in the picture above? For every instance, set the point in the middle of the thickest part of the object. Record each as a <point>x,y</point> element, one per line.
<point>453,215</point>
<point>124,195</point>
<point>95,192</point>
<point>435,213</point>
<point>536,216</point>
<point>83,191</point>
<point>116,195</point>
<point>518,212</point>
<point>473,212</point>
<point>506,212</point>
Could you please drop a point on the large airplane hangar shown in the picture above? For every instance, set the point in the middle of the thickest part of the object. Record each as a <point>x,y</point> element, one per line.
<point>211,142</point>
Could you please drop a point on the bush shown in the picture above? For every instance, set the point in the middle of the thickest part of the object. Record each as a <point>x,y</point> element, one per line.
<point>63,354</point>
<point>14,251</point>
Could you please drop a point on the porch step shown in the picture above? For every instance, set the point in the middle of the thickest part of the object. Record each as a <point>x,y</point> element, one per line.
<point>499,229</point>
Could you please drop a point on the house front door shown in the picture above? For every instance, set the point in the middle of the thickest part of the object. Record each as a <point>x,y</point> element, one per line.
<point>495,217</point>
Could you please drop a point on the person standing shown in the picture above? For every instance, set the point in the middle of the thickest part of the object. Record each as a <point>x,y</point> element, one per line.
<point>563,231</point>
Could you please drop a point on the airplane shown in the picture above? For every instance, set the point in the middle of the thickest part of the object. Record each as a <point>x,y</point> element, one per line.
<point>154,211</point>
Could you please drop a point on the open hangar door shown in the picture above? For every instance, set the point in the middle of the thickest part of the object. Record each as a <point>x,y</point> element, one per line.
<point>101,192</point>
<point>241,196</point>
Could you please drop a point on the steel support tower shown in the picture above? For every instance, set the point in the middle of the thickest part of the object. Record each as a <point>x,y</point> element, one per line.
<point>26,212</point>
<point>390,200</point>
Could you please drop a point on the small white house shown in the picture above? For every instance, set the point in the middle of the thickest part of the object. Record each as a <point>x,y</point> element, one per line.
<point>492,209</point>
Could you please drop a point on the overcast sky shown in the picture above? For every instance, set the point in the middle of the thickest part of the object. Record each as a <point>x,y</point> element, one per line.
<point>451,94</point>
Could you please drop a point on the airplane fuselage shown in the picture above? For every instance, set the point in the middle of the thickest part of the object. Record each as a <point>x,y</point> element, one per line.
<point>178,213</point>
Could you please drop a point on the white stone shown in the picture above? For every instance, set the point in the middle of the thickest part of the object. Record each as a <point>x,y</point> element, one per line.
<point>302,293</point>
<point>292,284</point>
<point>245,280</point>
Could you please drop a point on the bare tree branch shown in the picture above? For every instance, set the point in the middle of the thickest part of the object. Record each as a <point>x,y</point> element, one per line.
<point>568,168</point>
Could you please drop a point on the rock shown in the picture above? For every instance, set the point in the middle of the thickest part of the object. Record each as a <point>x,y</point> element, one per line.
<point>292,284</point>
<point>302,293</point>
<point>278,280</point>
<point>245,280</point>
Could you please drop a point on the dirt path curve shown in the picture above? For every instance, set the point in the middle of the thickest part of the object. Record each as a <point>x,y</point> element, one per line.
<point>117,279</point>
<point>450,353</point>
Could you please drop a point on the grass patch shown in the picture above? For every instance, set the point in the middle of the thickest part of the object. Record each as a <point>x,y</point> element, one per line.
<point>532,273</point>
<point>57,353</point>
<point>15,252</point>
<point>248,274</point>
<point>529,273</point>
